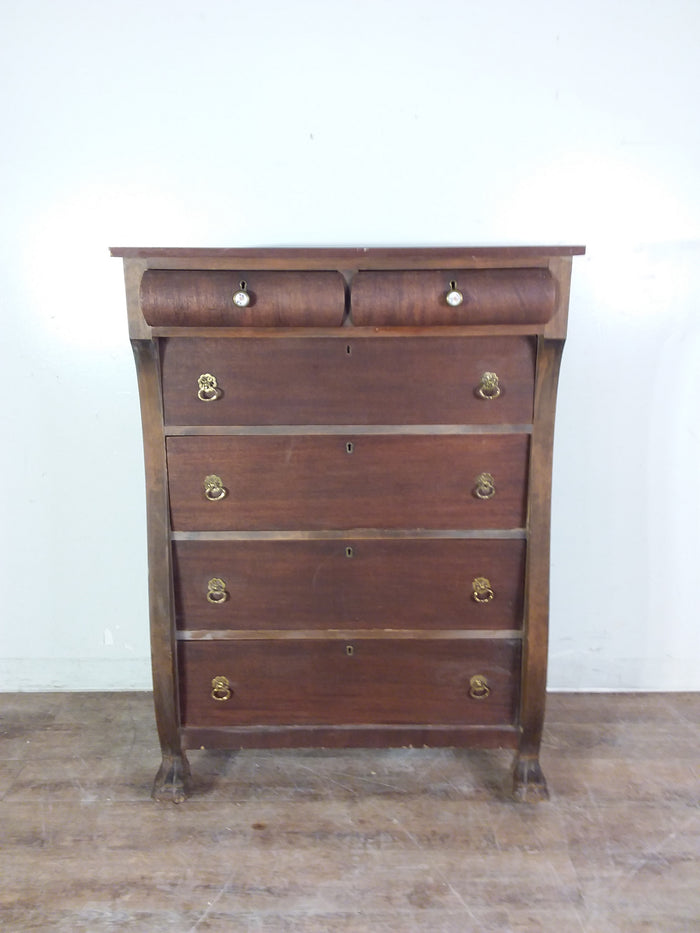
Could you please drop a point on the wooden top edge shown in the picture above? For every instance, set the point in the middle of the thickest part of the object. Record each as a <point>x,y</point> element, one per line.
<point>338,255</point>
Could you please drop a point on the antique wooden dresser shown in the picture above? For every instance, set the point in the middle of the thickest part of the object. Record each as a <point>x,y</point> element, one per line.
<point>348,462</point>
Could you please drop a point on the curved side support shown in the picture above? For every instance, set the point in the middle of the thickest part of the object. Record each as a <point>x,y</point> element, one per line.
<point>173,778</point>
<point>529,782</point>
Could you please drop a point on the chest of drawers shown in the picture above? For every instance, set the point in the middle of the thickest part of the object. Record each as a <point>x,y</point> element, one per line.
<point>348,462</point>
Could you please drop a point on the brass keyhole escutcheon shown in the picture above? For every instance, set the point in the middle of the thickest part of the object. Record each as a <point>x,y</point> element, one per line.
<point>349,552</point>
<point>208,388</point>
<point>216,591</point>
<point>484,486</point>
<point>488,387</point>
<point>349,447</point>
<point>349,650</point>
<point>481,590</point>
<point>221,689</point>
<point>478,687</point>
<point>214,488</point>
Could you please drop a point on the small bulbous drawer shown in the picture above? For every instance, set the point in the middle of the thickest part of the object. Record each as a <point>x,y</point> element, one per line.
<point>242,299</point>
<point>339,681</point>
<point>334,482</point>
<point>455,296</point>
<point>329,380</point>
<point>369,583</point>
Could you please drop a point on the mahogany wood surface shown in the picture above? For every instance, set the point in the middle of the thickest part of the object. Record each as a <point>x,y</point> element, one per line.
<point>324,380</point>
<point>295,299</point>
<point>314,482</point>
<point>418,298</point>
<point>334,584</point>
<point>348,435</point>
<point>331,681</point>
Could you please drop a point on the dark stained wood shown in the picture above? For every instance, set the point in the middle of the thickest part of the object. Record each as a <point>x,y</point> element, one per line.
<point>336,682</point>
<point>418,298</point>
<point>313,482</point>
<point>367,436</point>
<point>345,583</point>
<point>529,782</point>
<point>355,736</point>
<point>324,380</point>
<point>173,780</point>
<point>189,298</point>
<point>350,257</point>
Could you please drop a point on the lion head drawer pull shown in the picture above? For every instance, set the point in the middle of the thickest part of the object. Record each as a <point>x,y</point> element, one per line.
<point>241,298</point>
<point>216,591</point>
<point>478,687</point>
<point>214,488</point>
<point>221,689</point>
<point>484,486</point>
<point>454,297</point>
<point>481,590</point>
<point>488,388</point>
<point>208,388</point>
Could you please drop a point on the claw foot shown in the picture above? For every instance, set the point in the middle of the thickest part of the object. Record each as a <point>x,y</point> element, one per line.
<point>529,784</point>
<point>173,781</point>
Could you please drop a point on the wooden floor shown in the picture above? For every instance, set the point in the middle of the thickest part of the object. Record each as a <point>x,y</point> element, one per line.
<point>388,841</point>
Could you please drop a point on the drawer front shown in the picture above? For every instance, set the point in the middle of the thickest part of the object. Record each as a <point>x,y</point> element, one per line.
<point>291,482</point>
<point>269,299</point>
<point>324,380</point>
<point>366,583</point>
<point>333,681</point>
<point>422,298</point>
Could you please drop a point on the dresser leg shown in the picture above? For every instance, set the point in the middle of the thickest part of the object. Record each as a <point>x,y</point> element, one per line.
<point>173,781</point>
<point>529,784</point>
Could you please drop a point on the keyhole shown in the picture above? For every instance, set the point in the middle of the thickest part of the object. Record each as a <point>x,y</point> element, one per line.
<point>349,650</point>
<point>348,349</point>
<point>349,552</point>
<point>349,447</point>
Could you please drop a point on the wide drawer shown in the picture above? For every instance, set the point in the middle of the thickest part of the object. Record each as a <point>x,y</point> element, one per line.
<point>271,299</point>
<point>422,298</point>
<point>288,482</point>
<point>337,681</point>
<point>334,584</point>
<point>326,380</point>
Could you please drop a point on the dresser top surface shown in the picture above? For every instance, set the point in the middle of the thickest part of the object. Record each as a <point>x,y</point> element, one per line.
<point>352,256</point>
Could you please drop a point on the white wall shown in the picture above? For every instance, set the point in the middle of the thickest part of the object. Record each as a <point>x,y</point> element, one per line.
<point>362,122</point>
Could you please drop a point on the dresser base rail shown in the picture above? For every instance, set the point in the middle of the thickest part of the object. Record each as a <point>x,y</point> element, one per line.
<point>356,736</point>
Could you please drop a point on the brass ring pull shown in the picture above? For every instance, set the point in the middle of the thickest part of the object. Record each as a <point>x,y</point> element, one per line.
<point>488,388</point>
<point>216,591</point>
<point>241,298</point>
<point>482,591</point>
<point>478,687</point>
<point>208,388</point>
<point>214,488</point>
<point>454,297</point>
<point>221,689</point>
<point>485,487</point>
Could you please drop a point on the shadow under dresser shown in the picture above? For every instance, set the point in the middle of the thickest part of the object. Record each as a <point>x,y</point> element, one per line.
<point>348,465</point>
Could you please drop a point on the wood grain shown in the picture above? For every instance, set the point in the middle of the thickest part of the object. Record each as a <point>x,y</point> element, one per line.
<point>490,296</point>
<point>313,482</point>
<point>347,583</point>
<point>324,380</point>
<point>195,298</point>
<point>318,682</point>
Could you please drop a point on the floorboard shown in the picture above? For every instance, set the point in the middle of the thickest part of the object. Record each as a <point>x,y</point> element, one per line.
<point>397,840</point>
